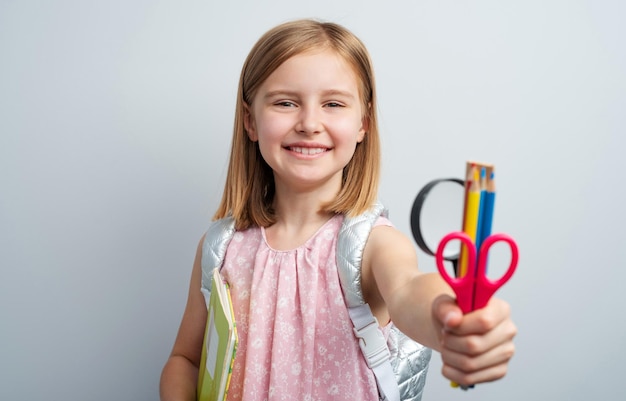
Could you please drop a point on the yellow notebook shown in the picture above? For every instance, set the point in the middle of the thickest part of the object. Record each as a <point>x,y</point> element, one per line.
<point>220,343</point>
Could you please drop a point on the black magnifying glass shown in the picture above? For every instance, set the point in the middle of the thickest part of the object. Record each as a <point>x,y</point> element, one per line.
<point>437,211</point>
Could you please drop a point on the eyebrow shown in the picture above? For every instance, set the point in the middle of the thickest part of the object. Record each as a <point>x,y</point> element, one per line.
<point>288,93</point>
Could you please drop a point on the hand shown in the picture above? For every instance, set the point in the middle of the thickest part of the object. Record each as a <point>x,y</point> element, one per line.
<point>475,347</point>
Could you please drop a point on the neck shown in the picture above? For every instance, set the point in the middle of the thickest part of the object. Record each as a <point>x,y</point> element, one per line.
<point>300,210</point>
<point>303,206</point>
<point>299,215</point>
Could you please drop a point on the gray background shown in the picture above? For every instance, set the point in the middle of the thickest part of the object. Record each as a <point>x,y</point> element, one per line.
<point>115,122</point>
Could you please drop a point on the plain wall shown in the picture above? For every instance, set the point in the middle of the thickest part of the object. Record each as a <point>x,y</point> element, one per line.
<point>115,125</point>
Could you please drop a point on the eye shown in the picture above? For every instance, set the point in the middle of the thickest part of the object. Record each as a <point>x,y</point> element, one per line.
<point>333,104</point>
<point>285,103</point>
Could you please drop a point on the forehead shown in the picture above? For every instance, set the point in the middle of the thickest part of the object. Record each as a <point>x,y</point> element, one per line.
<point>314,70</point>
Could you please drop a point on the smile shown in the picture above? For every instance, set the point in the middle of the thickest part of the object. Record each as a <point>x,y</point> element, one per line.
<point>307,151</point>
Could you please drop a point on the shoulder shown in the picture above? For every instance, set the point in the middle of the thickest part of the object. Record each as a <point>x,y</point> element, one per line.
<point>386,238</point>
<point>221,227</point>
<point>218,234</point>
<point>390,256</point>
<point>212,247</point>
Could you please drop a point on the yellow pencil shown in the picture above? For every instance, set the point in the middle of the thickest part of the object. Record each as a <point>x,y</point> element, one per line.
<point>462,261</point>
<point>471,216</point>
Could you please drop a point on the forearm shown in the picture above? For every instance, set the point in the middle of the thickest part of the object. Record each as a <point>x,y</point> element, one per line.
<point>417,321</point>
<point>178,380</point>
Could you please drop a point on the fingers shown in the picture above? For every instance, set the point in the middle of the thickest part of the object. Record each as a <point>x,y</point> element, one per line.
<point>466,372</point>
<point>446,312</point>
<point>477,347</point>
<point>479,342</point>
<point>467,369</point>
<point>483,320</point>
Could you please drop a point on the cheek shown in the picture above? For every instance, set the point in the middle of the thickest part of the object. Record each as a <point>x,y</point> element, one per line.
<point>350,129</point>
<point>272,128</point>
<point>270,134</point>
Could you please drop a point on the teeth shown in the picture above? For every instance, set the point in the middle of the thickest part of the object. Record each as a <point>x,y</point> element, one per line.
<point>307,151</point>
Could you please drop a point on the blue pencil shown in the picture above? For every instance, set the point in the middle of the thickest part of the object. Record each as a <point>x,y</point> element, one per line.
<point>490,200</point>
<point>481,209</point>
<point>488,206</point>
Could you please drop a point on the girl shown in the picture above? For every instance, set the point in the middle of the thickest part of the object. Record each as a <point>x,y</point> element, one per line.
<point>305,154</point>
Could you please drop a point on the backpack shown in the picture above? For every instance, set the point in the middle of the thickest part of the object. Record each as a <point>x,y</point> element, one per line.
<point>399,364</point>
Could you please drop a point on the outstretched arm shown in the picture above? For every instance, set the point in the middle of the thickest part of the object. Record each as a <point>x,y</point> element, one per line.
<point>180,373</point>
<point>475,347</point>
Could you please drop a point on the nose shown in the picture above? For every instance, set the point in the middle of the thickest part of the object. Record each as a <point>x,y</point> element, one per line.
<point>309,121</point>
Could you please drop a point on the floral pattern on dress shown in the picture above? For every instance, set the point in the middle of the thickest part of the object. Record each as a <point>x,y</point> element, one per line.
<point>295,335</point>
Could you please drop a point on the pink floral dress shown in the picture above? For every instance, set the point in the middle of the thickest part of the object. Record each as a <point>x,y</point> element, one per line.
<point>295,336</point>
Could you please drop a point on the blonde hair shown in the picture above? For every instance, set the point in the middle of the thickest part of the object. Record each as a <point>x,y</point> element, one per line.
<point>249,189</point>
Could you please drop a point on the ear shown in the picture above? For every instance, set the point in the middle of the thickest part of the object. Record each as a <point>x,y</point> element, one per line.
<point>365,126</point>
<point>248,123</point>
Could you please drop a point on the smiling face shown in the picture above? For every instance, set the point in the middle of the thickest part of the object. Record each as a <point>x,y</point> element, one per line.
<point>308,118</point>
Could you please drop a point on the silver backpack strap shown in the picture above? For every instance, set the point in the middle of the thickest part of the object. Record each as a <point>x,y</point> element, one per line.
<point>351,242</point>
<point>216,240</point>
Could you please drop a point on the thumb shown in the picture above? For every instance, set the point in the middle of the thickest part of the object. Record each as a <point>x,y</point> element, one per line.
<point>446,312</point>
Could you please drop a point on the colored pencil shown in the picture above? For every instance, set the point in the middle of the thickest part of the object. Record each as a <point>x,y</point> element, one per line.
<point>462,261</point>
<point>489,205</point>
<point>471,220</point>
<point>481,208</point>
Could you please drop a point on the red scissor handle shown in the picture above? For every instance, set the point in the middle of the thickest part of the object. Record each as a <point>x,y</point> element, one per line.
<point>462,286</point>
<point>474,290</point>
<point>485,287</point>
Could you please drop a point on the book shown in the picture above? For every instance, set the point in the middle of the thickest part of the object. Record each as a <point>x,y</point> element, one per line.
<point>220,343</point>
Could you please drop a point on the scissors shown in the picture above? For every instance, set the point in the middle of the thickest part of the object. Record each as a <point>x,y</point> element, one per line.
<point>474,289</point>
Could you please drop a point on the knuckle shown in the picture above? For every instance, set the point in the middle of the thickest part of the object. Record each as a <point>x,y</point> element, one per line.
<point>468,365</point>
<point>486,322</point>
<point>513,330</point>
<point>473,345</point>
<point>509,351</point>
